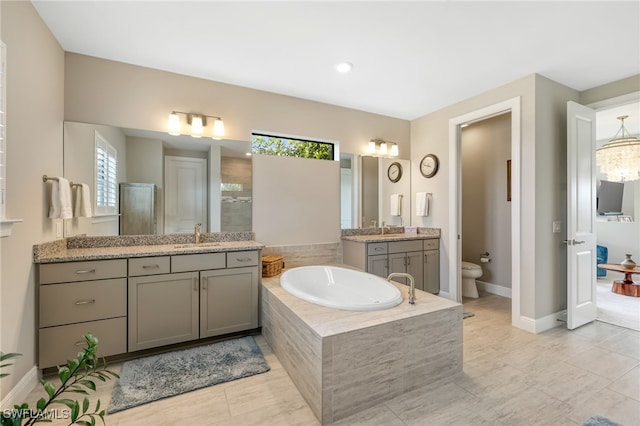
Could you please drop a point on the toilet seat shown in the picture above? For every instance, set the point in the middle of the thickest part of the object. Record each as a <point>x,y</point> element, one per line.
<point>470,266</point>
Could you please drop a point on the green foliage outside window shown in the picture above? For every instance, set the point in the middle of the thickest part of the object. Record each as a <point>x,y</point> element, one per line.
<point>285,147</point>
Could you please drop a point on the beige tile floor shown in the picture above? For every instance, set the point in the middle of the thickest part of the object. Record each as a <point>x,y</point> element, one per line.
<point>510,377</point>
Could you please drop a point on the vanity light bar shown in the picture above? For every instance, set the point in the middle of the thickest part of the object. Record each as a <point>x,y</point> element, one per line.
<point>382,147</point>
<point>197,122</point>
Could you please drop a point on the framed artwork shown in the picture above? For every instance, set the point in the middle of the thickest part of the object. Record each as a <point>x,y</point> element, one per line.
<point>508,180</point>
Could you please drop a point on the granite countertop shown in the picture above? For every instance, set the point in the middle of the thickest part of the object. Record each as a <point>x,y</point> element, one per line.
<point>97,248</point>
<point>427,233</point>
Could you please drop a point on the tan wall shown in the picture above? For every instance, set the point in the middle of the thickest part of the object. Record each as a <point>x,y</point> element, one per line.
<point>430,134</point>
<point>611,90</point>
<point>551,195</point>
<point>296,200</point>
<point>35,111</point>
<point>486,213</point>
<point>113,93</point>
<point>107,92</point>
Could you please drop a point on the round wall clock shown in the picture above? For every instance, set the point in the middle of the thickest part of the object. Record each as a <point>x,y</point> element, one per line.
<point>429,165</point>
<point>394,172</point>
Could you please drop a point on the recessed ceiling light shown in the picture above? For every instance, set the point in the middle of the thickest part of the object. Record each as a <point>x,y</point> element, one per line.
<point>344,67</point>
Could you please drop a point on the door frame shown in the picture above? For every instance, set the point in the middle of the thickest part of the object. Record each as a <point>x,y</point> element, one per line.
<point>455,184</point>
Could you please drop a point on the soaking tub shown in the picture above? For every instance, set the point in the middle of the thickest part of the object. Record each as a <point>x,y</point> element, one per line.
<point>341,288</point>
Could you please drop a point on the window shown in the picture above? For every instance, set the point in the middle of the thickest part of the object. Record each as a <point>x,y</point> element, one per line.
<point>106,177</point>
<point>231,187</point>
<point>284,146</point>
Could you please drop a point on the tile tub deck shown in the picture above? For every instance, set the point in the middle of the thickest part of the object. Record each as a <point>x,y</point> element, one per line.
<point>346,361</point>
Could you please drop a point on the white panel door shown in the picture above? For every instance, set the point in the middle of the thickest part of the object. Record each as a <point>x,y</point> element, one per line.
<point>185,198</point>
<point>581,211</point>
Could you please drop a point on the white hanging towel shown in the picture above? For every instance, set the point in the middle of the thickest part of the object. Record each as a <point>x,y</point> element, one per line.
<point>423,203</point>
<point>83,201</point>
<point>395,207</point>
<point>60,199</point>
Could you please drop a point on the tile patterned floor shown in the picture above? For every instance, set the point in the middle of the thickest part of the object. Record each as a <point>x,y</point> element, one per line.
<point>510,377</point>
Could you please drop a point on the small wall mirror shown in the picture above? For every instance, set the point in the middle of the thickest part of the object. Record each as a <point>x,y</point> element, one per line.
<point>371,187</point>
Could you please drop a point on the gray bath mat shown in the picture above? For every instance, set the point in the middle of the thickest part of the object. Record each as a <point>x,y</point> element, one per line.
<point>599,421</point>
<point>152,378</point>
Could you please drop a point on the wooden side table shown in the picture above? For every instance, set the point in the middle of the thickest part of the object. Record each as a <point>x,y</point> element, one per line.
<point>626,286</point>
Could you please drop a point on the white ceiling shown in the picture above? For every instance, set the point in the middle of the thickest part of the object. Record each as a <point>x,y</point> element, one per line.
<point>410,58</point>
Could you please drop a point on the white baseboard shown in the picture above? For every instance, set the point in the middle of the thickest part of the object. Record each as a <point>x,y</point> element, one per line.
<point>541,324</point>
<point>444,294</point>
<point>494,289</point>
<point>21,390</point>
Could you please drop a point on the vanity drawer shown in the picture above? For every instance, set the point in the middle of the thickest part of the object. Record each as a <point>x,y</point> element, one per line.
<point>198,262</point>
<point>405,246</point>
<point>82,301</point>
<point>58,344</point>
<point>431,244</point>
<point>376,248</point>
<point>82,271</point>
<point>237,259</point>
<point>149,266</point>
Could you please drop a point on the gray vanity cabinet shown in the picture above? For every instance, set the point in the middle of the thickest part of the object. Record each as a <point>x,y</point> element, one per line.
<point>228,301</point>
<point>431,266</point>
<point>205,295</point>
<point>75,298</point>
<point>163,309</point>
<point>411,263</point>
<point>378,265</point>
<point>418,257</point>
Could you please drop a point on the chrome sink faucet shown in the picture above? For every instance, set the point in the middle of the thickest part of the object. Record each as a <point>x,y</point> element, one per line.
<point>412,286</point>
<point>196,232</point>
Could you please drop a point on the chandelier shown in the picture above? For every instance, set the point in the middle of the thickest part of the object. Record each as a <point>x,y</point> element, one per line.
<point>619,159</point>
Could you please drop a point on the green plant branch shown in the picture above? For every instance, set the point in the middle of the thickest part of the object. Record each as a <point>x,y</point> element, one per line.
<point>75,376</point>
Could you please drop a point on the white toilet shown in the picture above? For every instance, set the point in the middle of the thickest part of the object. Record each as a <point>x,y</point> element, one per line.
<point>470,271</point>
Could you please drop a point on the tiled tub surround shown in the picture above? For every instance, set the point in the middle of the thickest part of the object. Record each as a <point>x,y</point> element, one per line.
<point>345,361</point>
<point>113,247</point>
<point>306,254</point>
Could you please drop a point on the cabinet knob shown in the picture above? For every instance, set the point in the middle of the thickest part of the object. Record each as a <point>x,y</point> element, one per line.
<point>85,271</point>
<point>85,302</point>
<point>243,259</point>
<point>156,266</point>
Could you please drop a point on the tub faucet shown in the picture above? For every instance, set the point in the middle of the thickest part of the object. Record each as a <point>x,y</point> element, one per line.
<point>196,233</point>
<point>412,286</point>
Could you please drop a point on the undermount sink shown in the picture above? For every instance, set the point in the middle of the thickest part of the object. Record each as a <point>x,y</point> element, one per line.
<point>194,245</point>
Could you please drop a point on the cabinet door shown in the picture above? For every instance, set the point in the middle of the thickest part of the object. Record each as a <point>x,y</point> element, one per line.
<point>163,309</point>
<point>415,267</point>
<point>398,263</point>
<point>432,271</point>
<point>228,301</point>
<point>377,265</point>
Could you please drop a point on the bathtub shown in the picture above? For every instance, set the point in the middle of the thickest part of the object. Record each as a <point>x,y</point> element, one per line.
<point>341,288</point>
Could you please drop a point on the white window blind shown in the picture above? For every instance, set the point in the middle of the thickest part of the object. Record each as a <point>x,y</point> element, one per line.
<point>106,177</point>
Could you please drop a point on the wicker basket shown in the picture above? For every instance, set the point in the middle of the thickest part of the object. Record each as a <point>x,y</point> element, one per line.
<point>272,265</point>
